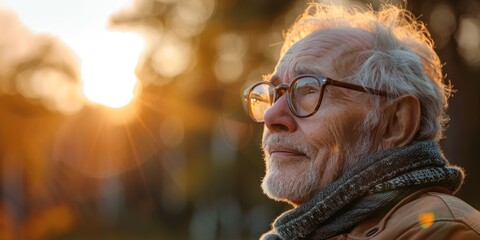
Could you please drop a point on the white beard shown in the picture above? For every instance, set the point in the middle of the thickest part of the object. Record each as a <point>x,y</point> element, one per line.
<point>297,188</point>
<point>277,185</point>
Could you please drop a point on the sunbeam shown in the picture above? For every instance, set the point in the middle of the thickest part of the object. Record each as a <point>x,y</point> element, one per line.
<point>135,156</point>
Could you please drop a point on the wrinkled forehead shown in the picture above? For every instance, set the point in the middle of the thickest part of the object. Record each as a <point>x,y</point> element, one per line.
<point>328,52</point>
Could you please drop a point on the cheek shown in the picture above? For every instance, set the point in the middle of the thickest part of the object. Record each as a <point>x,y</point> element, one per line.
<point>320,130</point>
<point>328,132</point>
<point>329,142</point>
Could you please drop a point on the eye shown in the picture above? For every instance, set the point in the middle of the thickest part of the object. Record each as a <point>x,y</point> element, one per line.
<point>306,89</point>
<point>259,98</point>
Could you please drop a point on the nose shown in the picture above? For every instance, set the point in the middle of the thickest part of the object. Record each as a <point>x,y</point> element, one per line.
<point>279,118</point>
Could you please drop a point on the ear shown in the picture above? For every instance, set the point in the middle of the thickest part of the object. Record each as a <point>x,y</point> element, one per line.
<point>403,121</point>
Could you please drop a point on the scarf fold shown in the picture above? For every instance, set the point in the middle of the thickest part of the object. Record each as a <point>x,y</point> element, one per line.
<point>372,183</point>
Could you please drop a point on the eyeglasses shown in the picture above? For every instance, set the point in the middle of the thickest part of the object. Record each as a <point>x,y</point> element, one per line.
<point>304,95</point>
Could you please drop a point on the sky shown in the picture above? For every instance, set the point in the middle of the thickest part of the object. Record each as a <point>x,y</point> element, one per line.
<point>108,58</point>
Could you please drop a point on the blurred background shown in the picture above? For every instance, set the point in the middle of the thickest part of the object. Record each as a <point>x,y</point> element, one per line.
<point>123,119</point>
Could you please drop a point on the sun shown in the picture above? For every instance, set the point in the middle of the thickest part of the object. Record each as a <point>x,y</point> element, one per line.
<point>108,61</point>
<point>108,58</point>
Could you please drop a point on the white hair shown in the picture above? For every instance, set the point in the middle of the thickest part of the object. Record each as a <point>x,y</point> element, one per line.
<point>399,58</point>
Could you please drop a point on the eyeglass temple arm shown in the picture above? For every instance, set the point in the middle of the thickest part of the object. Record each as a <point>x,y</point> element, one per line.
<point>355,87</point>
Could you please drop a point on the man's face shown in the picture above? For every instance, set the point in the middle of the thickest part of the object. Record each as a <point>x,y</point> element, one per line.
<point>303,155</point>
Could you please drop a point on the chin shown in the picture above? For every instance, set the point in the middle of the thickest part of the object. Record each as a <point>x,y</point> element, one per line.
<point>291,189</point>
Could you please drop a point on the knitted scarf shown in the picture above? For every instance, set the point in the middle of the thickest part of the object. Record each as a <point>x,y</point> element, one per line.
<point>372,183</point>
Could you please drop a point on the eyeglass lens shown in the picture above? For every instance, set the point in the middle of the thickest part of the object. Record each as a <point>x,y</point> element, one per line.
<point>304,96</point>
<point>261,99</point>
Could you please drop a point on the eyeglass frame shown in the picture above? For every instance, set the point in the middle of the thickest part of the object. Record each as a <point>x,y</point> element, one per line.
<point>322,81</point>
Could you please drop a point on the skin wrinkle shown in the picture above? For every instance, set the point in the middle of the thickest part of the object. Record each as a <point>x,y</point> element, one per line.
<point>336,162</point>
<point>350,151</point>
<point>335,134</point>
<point>296,64</point>
<point>353,41</point>
<point>337,150</point>
<point>341,95</point>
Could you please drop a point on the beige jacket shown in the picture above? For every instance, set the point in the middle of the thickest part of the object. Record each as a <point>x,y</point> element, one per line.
<point>425,214</point>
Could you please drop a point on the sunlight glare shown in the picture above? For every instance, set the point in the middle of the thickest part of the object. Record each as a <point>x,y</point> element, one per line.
<point>108,58</point>
<point>108,64</point>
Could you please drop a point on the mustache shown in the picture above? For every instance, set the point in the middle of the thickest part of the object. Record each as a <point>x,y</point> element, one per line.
<point>283,141</point>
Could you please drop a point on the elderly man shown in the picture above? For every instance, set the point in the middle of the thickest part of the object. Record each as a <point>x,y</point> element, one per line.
<point>353,114</point>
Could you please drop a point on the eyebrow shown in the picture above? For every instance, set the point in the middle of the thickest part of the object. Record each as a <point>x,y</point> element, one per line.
<point>299,70</point>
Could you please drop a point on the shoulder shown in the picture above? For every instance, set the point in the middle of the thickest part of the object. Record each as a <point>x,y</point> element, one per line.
<point>451,208</point>
<point>427,215</point>
<point>434,215</point>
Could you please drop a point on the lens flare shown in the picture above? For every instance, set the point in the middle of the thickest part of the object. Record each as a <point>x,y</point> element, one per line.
<point>426,219</point>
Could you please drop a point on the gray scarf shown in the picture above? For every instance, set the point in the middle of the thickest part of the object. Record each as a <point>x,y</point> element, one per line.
<point>372,183</point>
